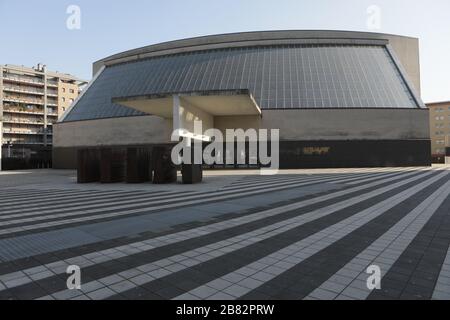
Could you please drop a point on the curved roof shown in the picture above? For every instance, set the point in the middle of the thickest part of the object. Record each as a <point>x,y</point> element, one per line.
<point>281,69</point>
<point>250,38</point>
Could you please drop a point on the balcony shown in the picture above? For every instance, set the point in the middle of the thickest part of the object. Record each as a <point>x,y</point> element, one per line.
<point>22,142</point>
<point>25,131</point>
<point>23,111</point>
<point>21,89</point>
<point>52,83</point>
<point>23,121</point>
<point>23,100</point>
<point>22,79</point>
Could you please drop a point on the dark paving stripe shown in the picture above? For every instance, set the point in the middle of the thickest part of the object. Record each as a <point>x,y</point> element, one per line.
<point>63,201</point>
<point>26,195</point>
<point>100,270</point>
<point>110,201</point>
<point>175,284</point>
<point>415,273</point>
<point>298,179</point>
<point>302,279</point>
<point>180,203</point>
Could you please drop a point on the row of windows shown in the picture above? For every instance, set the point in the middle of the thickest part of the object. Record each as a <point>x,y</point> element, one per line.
<point>440,109</point>
<point>440,133</point>
<point>64,100</point>
<point>70,90</point>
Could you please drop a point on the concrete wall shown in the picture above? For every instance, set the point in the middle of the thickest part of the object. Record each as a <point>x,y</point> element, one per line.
<point>355,124</point>
<point>407,51</point>
<point>309,124</point>
<point>336,124</point>
<point>112,131</point>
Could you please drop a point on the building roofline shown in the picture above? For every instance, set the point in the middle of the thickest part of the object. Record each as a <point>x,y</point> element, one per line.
<point>65,76</point>
<point>245,37</point>
<point>437,103</point>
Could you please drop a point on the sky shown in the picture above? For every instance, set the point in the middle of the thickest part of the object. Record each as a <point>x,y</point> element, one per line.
<point>37,31</point>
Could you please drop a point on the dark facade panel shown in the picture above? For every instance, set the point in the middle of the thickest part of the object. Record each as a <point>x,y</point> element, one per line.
<point>321,154</point>
<point>279,77</point>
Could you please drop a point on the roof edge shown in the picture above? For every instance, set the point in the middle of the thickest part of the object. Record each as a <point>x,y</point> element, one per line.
<point>250,36</point>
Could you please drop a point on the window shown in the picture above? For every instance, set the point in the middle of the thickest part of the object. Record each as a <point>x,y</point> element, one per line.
<point>71,91</point>
<point>64,90</point>
<point>63,109</point>
<point>63,99</point>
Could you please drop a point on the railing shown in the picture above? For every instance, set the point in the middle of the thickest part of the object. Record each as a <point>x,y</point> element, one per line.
<point>23,89</point>
<point>22,100</point>
<point>15,131</point>
<point>23,121</point>
<point>22,79</point>
<point>23,111</point>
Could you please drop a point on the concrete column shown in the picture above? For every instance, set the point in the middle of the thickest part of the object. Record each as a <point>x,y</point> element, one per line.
<point>184,117</point>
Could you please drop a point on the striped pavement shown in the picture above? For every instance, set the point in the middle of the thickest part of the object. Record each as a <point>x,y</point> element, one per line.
<point>300,235</point>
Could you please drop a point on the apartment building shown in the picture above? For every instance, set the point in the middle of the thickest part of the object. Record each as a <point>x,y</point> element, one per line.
<point>31,101</point>
<point>440,129</point>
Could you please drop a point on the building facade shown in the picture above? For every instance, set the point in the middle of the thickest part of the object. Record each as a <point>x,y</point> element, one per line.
<point>31,101</point>
<point>439,130</point>
<point>339,99</point>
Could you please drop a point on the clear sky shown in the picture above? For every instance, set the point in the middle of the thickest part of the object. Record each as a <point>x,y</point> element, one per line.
<point>36,31</point>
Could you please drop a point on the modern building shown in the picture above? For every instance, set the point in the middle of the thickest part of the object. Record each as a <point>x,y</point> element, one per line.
<point>31,101</point>
<point>439,129</point>
<point>339,98</point>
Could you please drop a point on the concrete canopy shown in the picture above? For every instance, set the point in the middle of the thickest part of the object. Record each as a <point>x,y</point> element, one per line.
<point>214,103</point>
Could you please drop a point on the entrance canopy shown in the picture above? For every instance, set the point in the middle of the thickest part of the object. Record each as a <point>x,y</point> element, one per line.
<point>187,109</point>
<point>215,103</point>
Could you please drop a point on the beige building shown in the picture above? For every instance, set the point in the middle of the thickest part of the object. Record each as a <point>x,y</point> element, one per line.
<point>31,101</point>
<point>439,129</point>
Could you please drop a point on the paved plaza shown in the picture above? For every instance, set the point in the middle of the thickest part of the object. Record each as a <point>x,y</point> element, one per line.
<point>301,234</point>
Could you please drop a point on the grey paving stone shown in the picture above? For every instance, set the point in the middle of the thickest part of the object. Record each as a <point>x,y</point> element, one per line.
<point>219,284</point>
<point>203,292</point>
<point>111,280</point>
<point>122,286</point>
<point>236,290</point>
<point>221,296</point>
<point>67,294</point>
<point>101,294</point>
<point>141,279</point>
